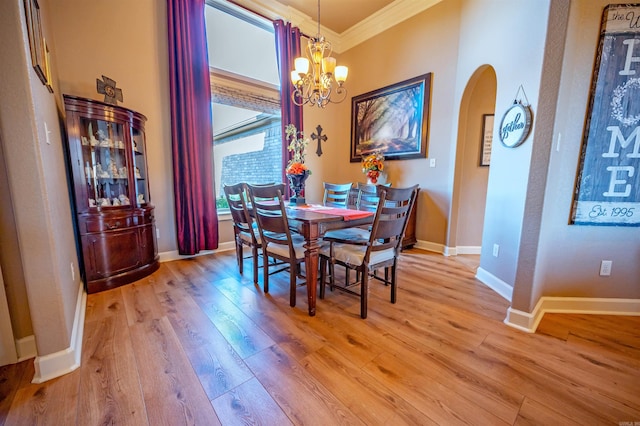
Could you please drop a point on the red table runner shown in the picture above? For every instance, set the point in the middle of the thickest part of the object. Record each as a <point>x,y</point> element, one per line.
<point>347,214</point>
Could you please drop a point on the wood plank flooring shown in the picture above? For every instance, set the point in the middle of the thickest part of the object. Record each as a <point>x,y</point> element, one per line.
<point>197,343</point>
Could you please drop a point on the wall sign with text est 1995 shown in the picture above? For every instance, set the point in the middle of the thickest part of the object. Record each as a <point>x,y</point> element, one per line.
<point>515,125</point>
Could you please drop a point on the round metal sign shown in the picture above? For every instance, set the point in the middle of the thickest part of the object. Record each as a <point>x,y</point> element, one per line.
<point>515,125</point>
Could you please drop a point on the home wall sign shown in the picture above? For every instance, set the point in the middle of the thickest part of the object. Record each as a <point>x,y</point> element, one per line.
<point>608,181</point>
<point>515,125</point>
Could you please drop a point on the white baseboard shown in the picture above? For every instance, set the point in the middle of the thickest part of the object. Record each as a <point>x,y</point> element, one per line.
<point>429,246</point>
<point>26,348</point>
<point>62,362</point>
<point>468,250</point>
<point>528,322</point>
<point>168,256</point>
<point>495,283</point>
<point>445,250</point>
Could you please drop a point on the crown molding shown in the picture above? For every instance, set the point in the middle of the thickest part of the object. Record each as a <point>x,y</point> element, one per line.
<point>382,20</point>
<point>274,10</point>
<point>385,18</point>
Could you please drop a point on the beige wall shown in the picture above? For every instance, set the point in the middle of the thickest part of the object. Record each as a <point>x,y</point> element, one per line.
<point>428,42</point>
<point>35,166</point>
<point>10,258</point>
<point>126,41</point>
<point>471,179</point>
<point>569,256</point>
<point>511,40</point>
<point>531,187</point>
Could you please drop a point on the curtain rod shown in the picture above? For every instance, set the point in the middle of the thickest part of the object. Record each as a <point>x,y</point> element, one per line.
<point>233,2</point>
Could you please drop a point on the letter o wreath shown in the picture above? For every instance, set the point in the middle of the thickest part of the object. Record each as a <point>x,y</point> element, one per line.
<point>515,125</point>
<point>619,93</point>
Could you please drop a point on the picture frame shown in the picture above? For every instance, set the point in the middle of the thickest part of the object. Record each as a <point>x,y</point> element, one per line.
<point>47,67</point>
<point>36,42</point>
<point>487,139</point>
<point>393,120</point>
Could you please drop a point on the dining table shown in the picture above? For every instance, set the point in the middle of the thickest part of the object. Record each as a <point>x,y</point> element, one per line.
<point>314,221</point>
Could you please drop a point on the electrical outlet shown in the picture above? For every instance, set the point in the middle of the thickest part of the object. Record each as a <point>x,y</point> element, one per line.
<point>157,233</point>
<point>605,268</point>
<point>496,250</point>
<point>432,162</point>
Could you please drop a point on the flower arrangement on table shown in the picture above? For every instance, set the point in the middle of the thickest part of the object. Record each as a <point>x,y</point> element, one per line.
<point>373,165</point>
<point>296,171</point>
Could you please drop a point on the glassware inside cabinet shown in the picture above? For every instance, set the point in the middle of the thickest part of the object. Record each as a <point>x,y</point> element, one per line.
<point>140,171</point>
<point>105,163</point>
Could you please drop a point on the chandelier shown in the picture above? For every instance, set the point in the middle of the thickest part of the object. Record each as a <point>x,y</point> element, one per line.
<point>313,77</point>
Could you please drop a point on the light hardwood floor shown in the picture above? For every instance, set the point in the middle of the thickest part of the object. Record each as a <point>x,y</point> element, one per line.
<point>196,343</point>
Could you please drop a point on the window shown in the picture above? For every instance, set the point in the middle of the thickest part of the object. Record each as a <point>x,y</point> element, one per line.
<point>245,97</point>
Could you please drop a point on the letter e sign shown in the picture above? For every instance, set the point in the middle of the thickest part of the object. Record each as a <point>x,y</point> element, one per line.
<point>515,125</point>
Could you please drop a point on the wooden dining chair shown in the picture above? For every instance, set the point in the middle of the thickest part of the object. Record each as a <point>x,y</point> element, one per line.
<point>244,227</point>
<point>278,242</point>
<point>367,198</point>
<point>381,250</point>
<point>336,194</point>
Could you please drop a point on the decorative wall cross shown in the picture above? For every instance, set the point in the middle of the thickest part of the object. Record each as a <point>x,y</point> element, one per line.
<point>107,87</point>
<point>320,138</point>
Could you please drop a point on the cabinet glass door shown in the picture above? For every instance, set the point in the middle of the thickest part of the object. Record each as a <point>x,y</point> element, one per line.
<point>140,169</point>
<point>105,163</point>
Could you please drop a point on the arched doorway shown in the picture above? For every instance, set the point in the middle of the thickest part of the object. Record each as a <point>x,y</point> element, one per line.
<point>470,177</point>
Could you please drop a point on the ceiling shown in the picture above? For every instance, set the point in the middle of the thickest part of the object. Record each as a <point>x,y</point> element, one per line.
<point>345,23</point>
<point>338,15</point>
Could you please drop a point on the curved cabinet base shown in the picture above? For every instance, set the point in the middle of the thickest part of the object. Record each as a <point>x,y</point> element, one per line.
<point>123,278</point>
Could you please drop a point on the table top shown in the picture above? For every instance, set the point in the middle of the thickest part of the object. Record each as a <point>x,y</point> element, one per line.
<point>318,213</point>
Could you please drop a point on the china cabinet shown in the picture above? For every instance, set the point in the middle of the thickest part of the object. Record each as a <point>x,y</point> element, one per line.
<point>115,218</point>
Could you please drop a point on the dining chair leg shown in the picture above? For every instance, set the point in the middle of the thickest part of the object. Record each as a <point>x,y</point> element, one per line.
<point>332,274</point>
<point>265,275</point>
<point>394,281</point>
<point>364,291</point>
<point>292,284</point>
<point>239,259</point>
<point>254,252</point>
<point>323,276</point>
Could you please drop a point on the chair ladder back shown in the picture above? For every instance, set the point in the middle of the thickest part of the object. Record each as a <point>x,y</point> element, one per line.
<point>269,210</point>
<point>368,196</point>
<point>391,218</point>
<point>236,198</point>
<point>336,194</point>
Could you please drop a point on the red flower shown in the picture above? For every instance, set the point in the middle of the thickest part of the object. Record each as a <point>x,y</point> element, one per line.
<point>296,168</point>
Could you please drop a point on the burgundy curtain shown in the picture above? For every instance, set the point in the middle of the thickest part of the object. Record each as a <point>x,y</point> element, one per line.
<point>287,49</point>
<point>191,134</point>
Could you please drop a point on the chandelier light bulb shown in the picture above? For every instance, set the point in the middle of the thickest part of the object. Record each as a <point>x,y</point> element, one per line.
<point>341,74</point>
<point>302,65</point>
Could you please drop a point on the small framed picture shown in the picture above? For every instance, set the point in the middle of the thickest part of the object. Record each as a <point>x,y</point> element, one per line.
<point>487,139</point>
<point>36,42</point>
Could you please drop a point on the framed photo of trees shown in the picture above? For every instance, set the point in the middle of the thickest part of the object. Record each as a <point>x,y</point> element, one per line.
<point>393,120</point>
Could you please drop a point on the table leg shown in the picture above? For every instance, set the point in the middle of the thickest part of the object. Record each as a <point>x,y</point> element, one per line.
<point>311,234</point>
